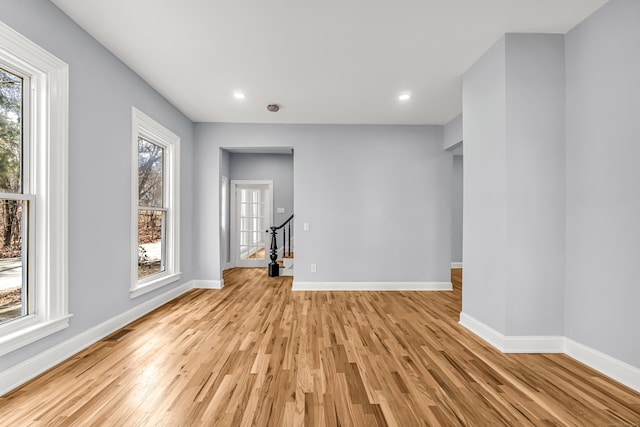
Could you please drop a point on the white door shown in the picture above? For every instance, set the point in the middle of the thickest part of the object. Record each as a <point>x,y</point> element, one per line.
<point>252,216</point>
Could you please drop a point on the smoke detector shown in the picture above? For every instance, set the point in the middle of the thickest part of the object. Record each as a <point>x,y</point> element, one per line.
<point>273,108</point>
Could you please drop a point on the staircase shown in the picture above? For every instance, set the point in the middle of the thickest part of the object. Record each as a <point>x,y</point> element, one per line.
<point>286,265</point>
<point>281,266</point>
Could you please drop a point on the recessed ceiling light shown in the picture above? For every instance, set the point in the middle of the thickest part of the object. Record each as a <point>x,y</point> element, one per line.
<point>239,95</point>
<point>404,96</point>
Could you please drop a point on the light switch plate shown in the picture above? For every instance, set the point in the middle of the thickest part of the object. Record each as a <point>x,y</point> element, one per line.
<point>305,227</point>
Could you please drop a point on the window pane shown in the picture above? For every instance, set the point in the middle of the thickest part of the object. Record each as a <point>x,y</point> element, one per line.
<point>10,132</point>
<point>151,242</point>
<point>13,290</point>
<point>244,252</point>
<point>252,252</point>
<point>150,174</point>
<point>256,252</point>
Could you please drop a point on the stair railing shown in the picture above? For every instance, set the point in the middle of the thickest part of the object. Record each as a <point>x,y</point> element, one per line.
<point>274,267</point>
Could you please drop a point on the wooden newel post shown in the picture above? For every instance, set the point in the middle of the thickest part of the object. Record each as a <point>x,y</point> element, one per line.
<point>274,267</point>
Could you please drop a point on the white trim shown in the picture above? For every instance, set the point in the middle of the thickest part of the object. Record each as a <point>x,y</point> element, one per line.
<point>371,286</point>
<point>208,284</point>
<point>456,264</point>
<point>607,365</point>
<point>513,344</point>
<point>49,140</point>
<point>145,127</point>
<point>616,369</point>
<point>154,284</point>
<point>18,196</point>
<point>31,368</point>
<point>485,332</point>
<point>534,344</point>
<point>28,334</point>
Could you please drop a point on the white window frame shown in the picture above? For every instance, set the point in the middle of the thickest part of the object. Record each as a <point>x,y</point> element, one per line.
<point>143,126</point>
<point>47,152</point>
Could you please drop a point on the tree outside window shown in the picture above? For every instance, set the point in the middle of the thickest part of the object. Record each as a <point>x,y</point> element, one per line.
<point>13,284</point>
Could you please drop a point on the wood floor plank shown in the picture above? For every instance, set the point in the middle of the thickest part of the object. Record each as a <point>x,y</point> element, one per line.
<point>257,354</point>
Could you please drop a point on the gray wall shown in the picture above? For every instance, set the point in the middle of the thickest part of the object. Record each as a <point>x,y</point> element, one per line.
<point>102,92</point>
<point>457,208</point>
<point>485,190</point>
<point>603,176</point>
<point>225,163</point>
<point>452,132</point>
<point>514,186</point>
<point>535,84</point>
<point>276,167</point>
<point>377,199</point>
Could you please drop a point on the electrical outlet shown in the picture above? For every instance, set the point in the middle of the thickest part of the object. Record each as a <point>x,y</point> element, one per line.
<point>314,268</point>
<point>280,210</point>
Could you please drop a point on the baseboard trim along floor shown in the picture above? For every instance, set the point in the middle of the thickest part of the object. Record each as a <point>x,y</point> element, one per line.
<point>613,368</point>
<point>371,286</point>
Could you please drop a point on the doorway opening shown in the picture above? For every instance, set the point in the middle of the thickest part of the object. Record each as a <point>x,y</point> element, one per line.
<point>251,218</point>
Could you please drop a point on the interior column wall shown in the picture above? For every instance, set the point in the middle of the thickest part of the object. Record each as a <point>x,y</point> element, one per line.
<point>535,180</point>
<point>485,190</point>
<point>513,109</point>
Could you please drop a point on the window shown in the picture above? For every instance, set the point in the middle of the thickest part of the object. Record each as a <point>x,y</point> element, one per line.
<point>16,198</point>
<point>33,192</point>
<point>155,201</point>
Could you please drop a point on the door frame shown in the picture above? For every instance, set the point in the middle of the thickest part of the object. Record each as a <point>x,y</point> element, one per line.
<point>234,222</point>
<point>226,260</point>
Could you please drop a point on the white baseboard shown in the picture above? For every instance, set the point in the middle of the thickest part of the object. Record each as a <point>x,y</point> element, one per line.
<point>456,265</point>
<point>485,332</point>
<point>534,344</point>
<point>616,369</point>
<point>31,368</point>
<point>513,344</point>
<point>371,286</point>
<point>208,284</point>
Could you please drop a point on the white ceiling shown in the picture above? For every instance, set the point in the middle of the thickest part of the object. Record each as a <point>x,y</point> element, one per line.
<point>328,61</point>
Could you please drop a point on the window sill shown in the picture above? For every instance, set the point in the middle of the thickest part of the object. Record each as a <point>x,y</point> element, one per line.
<point>32,333</point>
<point>143,288</point>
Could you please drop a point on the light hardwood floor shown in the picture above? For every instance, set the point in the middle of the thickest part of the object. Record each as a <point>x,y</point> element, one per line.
<point>255,353</point>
